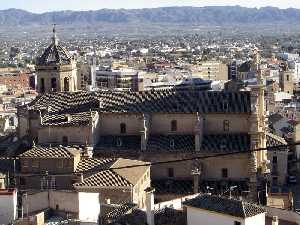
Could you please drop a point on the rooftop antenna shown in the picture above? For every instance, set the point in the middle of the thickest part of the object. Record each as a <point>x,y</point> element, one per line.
<point>54,38</point>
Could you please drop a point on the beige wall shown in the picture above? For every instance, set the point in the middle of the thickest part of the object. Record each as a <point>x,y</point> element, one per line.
<point>214,123</point>
<point>75,134</point>
<point>237,166</point>
<point>161,123</point>
<point>280,169</point>
<point>212,168</point>
<point>57,165</point>
<point>110,124</point>
<point>139,194</point>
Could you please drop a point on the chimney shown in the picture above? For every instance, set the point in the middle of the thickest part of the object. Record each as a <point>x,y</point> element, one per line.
<point>275,220</point>
<point>80,178</point>
<point>88,151</point>
<point>150,205</point>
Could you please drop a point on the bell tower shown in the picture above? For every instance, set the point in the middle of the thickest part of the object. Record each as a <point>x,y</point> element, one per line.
<point>56,69</point>
<point>257,124</point>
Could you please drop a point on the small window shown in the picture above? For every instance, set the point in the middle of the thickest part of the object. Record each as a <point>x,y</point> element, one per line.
<point>65,140</point>
<point>224,173</point>
<point>287,77</point>
<point>11,122</point>
<point>275,179</point>
<point>173,125</point>
<point>42,88</point>
<point>123,128</point>
<point>66,84</point>
<point>226,125</point>
<point>53,84</point>
<point>22,181</point>
<point>119,142</point>
<point>170,172</point>
<point>172,143</point>
<point>274,159</point>
<point>237,223</point>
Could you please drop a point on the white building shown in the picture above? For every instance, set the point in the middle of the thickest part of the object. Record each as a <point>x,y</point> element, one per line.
<point>83,205</point>
<point>8,206</point>
<point>215,210</point>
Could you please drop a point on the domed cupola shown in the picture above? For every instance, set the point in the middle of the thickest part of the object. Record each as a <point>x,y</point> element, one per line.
<point>56,69</point>
<point>55,53</point>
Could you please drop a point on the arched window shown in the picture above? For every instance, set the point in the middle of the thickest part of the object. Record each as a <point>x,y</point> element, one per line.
<point>65,140</point>
<point>42,88</point>
<point>123,128</point>
<point>53,84</point>
<point>66,84</point>
<point>174,125</point>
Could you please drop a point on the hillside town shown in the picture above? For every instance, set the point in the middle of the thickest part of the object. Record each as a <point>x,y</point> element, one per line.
<point>172,130</point>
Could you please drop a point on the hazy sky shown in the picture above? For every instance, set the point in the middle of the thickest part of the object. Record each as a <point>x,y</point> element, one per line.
<point>51,5</point>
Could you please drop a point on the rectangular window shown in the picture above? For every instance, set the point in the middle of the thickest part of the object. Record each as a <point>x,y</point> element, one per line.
<point>173,125</point>
<point>170,172</point>
<point>226,125</point>
<point>274,159</point>
<point>224,173</point>
<point>22,181</point>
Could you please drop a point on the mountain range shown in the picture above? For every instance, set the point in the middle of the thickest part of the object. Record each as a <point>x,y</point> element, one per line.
<point>214,15</point>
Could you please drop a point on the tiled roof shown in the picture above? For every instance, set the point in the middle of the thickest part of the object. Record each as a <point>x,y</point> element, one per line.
<point>130,142</point>
<point>225,143</point>
<point>50,152</point>
<point>232,207</point>
<point>171,143</point>
<point>172,186</point>
<point>93,164</point>
<point>82,118</point>
<point>104,174</point>
<point>172,101</point>
<point>211,143</point>
<point>54,54</point>
<point>274,140</point>
<point>120,210</point>
<point>106,178</point>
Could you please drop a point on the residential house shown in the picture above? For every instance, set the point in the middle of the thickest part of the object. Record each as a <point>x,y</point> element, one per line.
<point>207,209</point>
<point>70,168</point>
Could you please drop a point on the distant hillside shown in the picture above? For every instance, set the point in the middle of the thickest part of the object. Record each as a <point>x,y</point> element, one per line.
<point>218,15</point>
